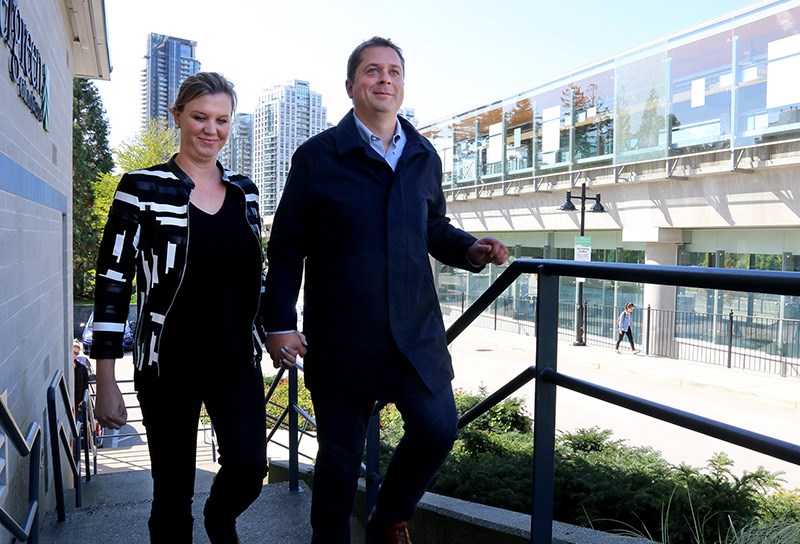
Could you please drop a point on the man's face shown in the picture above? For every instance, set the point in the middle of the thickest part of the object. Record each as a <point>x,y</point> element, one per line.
<point>378,85</point>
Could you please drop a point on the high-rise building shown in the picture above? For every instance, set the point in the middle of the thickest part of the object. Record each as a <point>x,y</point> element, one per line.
<point>285,117</point>
<point>237,154</point>
<point>169,61</point>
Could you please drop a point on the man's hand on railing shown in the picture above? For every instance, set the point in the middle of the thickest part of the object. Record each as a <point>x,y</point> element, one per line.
<point>285,347</point>
<point>488,250</point>
<point>109,407</point>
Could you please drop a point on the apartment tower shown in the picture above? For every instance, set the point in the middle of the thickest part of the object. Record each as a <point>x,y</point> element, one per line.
<point>169,61</point>
<point>237,154</point>
<point>285,117</point>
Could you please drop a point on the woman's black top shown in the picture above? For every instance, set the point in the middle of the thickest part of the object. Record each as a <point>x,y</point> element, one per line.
<point>206,318</point>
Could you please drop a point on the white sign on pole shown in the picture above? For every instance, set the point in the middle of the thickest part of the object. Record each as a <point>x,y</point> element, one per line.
<point>583,250</point>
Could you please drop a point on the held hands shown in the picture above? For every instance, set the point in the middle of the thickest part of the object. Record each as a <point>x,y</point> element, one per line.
<point>284,348</point>
<point>488,250</point>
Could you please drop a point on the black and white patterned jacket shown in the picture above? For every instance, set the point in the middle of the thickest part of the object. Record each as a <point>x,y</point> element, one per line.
<point>146,236</point>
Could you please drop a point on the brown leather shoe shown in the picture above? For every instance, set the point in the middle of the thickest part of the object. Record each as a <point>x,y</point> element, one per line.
<point>396,533</point>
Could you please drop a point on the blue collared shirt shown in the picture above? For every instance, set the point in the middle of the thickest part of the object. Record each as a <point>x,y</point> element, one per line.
<point>395,151</point>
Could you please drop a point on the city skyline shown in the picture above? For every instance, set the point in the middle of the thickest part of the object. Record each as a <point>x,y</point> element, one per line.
<point>517,44</point>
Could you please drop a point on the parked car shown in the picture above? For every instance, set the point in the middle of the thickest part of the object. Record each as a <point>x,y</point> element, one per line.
<point>86,337</point>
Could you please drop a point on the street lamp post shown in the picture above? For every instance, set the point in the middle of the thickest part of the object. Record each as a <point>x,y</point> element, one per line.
<point>580,338</point>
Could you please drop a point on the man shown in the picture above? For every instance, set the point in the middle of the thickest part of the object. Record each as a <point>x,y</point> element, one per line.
<point>362,210</point>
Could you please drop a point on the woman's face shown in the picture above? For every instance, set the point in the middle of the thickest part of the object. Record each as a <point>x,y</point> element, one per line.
<point>205,124</point>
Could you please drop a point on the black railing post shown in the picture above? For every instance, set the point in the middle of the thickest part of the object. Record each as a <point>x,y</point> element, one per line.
<point>294,440</point>
<point>647,331</point>
<point>463,301</point>
<point>373,461</point>
<point>544,414</point>
<point>585,323</point>
<point>55,452</point>
<point>34,477</point>
<point>730,339</point>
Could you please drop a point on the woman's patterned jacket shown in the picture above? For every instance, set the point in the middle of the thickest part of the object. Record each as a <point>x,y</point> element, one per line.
<point>146,236</point>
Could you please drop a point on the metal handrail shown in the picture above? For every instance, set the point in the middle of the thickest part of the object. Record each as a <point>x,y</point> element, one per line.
<point>58,432</point>
<point>548,379</point>
<point>29,445</point>
<point>89,444</point>
<point>291,411</point>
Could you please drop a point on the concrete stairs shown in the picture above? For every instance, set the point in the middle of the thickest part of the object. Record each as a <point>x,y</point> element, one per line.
<point>116,505</point>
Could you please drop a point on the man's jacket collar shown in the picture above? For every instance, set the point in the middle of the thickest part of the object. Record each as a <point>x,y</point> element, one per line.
<point>348,137</point>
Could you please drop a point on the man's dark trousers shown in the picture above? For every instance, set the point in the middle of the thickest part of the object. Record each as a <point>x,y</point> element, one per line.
<point>431,426</point>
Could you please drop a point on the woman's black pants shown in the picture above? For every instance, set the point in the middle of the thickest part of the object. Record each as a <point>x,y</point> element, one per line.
<point>233,396</point>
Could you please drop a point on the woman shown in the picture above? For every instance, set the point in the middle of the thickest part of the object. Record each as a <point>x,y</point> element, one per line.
<point>624,326</point>
<point>190,233</point>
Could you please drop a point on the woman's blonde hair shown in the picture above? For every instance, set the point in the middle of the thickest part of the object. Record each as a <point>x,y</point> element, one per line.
<point>200,84</point>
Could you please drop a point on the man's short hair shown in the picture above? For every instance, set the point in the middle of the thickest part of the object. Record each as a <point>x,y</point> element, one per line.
<point>375,41</point>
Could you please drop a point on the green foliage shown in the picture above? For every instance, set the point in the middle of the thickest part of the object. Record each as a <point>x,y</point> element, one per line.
<point>781,505</point>
<point>602,482</point>
<point>91,158</point>
<point>280,399</point>
<point>491,475</point>
<point>104,187</point>
<point>508,416</point>
<point>155,143</point>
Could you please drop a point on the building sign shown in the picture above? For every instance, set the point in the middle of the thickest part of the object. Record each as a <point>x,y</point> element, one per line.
<point>25,66</point>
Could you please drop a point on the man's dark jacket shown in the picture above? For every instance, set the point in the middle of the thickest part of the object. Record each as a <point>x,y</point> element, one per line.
<point>365,233</point>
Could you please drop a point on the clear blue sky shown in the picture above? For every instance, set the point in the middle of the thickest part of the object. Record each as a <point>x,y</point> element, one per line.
<point>460,54</point>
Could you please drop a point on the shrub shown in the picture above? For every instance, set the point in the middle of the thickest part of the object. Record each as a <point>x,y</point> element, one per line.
<point>508,416</point>
<point>600,482</point>
<point>280,399</point>
<point>603,483</point>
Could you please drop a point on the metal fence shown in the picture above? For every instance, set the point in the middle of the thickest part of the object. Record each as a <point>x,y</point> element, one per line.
<point>762,344</point>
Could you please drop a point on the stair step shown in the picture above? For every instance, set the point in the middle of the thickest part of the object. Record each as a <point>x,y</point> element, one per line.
<point>117,505</point>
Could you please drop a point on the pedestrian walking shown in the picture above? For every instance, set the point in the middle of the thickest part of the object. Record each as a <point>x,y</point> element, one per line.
<point>624,324</point>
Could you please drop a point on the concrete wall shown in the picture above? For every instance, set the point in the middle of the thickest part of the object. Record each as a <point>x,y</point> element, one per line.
<point>35,243</point>
<point>443,520</point>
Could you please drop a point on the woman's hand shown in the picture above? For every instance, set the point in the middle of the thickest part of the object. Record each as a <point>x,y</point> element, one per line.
<point>109,410</point>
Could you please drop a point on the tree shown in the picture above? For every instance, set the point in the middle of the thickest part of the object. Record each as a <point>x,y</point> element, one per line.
<point>91,157</point>
<point>155,143</point>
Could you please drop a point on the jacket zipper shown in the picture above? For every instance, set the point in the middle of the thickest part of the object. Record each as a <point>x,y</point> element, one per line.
<point>180,283</point>
<point>260,275</point>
